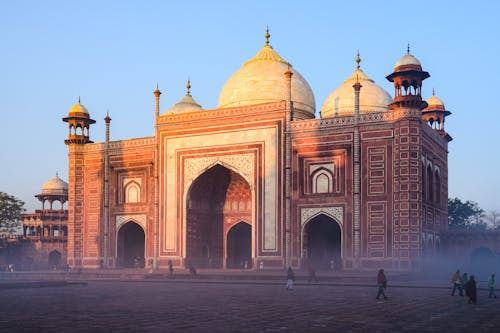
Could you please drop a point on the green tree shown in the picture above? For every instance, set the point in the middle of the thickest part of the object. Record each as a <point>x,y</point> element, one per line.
<point>10,210</point>
<point>465,215</point>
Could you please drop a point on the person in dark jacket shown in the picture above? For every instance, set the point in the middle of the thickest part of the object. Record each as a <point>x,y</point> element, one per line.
<point>290,278</point>
<point>470,290</point>
<point>381,283</point>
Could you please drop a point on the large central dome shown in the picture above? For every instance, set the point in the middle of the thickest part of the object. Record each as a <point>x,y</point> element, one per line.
<point>262,80</point>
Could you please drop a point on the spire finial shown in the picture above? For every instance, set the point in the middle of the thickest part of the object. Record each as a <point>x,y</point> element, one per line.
<point>433,92</point>
<point>267,35</point>
<point>358,60</point>
<point>157,86</point>
<point>188,87</point>
<point>57,174</point>
<point>408,49</point>
<point>79,100</point>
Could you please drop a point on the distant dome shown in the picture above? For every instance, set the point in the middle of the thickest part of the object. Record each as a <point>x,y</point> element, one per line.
<point>407,62</point>
<point>434,103</point>
<point>77,109</point>
<point>55,186</point>
<point>262,80</point>
<point>372,98</point>
<point>407,59</point>
<point>186,104</point>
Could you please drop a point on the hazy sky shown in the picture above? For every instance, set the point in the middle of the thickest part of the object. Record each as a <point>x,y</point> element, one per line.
<point>113,53</point>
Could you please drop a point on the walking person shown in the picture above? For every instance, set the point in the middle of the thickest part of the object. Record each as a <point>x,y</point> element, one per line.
<point>290,278</point>
<point>457,283</point>
<point>192,270</point>
<point>491,286</point>
<point>464,279</point>
<point>381,283</point>
<point>170,268</point>
<point>471,291</point>
<point>311,273</point>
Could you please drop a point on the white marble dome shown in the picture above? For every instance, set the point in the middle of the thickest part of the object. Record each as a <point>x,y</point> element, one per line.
<point>434,103</point>
<point>55,186</point>
<point>406,60</point>
<point>372,98</point>
<point>262,80</point>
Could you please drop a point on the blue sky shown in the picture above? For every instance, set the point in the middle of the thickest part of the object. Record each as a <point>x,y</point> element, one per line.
<point>113,53</point>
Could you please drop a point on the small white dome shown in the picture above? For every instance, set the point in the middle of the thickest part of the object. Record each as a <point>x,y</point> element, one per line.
<point>55,186</point>
<point>78,108</point>
<point>434,103</point>
<point>372,98</point>
<point>407,59</point>
<point>186,104</point>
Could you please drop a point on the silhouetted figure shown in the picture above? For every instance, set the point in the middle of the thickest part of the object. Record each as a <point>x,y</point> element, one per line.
<point>192,270</point>
<point>464,279</point>
<point>381,283</point>
<point>290,278</point>
<point>470,290</point>
<point>170,268</point>
<point>311,273</point>
<point>457,283</point>
<point>491,286</point>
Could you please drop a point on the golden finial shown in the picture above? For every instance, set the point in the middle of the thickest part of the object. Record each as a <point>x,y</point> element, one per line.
<point>408,49</point>
<point>188,86</point>
<point>358,60</point>
<point>267,35</point>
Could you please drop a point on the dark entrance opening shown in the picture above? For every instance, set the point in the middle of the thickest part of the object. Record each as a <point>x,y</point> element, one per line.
<point>130,246</point>
<point>322,243</point>
<point>239,246</point>
<point>54,259</point>
<point>216,194</point>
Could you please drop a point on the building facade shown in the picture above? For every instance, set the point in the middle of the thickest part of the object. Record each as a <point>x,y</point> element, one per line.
<point>260,182</point>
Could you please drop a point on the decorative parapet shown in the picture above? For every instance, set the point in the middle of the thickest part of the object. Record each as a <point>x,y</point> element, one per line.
<point>366,118</point>
<point>121,144</point>
<point>221,113</point>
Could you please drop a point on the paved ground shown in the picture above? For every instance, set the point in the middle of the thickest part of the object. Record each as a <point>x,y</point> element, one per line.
<point>184,306</point>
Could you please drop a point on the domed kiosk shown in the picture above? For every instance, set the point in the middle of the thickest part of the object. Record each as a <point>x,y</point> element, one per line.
<point>55,189</point>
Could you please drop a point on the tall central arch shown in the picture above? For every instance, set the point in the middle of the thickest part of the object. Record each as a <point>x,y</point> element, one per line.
<point>322,243</point>
<point>216,199</point>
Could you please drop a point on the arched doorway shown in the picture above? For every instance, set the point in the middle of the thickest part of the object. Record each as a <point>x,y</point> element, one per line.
<point>322,243</point>
<point>54,259</point>
<point>239,246</point>
<point>216,196</point>
<point>130,245</point>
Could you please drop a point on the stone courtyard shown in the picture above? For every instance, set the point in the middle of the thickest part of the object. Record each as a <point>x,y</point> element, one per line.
<point>181,305</point>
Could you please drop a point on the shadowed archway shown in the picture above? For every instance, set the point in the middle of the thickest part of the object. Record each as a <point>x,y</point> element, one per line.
<point>130,245</point>
<point>216,197</point>
<point>239,246</point>
<point>322,243</point>
<point>54,259</point>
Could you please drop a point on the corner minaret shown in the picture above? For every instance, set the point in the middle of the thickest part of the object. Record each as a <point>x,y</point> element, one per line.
<point>407,78</point>
<point>407,220</point>
<point>79,122</point>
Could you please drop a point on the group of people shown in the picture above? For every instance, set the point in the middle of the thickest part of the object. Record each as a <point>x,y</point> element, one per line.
<point>462,282</point>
